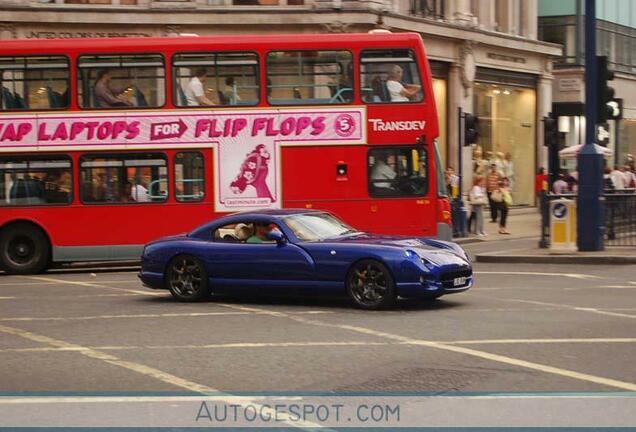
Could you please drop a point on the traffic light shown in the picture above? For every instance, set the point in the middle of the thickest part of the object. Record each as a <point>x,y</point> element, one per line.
<point>471,131</point>
<point>605,93</point>
<point>550,131</point>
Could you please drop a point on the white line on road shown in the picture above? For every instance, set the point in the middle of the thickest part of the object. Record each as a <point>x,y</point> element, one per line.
<point>149,315</point>
<point>204,347</point>
<point>542,341</point>
<point>454,348</point>
<point>7,298</point>
<point>570,307</point>
<point>515,273</point>
<point>93,285</point>
<point>145,370</point>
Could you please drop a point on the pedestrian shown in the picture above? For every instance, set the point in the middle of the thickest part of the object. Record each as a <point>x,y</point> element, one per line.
<point>630,179</point>
<point>608,184</point>
<point>478,200</point>
<point>617,178</point>
<point>491,184</point>
<point>452,182</point>
<point>560,186</point>
<point>504,206</point>
<point>540,181</point>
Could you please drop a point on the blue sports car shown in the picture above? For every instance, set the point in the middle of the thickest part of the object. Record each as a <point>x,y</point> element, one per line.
<point>303,250</point>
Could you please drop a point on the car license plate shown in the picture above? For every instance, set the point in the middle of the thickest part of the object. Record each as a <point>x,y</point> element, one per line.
<point>459,281</point>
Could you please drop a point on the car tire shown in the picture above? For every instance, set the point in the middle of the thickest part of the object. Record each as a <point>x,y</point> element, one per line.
<point>370,285</point>
<point>24,249</point>
<point>187,279</point>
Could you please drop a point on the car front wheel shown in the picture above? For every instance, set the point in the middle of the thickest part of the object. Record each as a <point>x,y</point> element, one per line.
<point>370,285</point>
<point>187,279</point>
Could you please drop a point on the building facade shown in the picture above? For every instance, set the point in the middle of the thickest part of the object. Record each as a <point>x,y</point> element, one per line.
<point>562,22</point>
<point>485,55</point>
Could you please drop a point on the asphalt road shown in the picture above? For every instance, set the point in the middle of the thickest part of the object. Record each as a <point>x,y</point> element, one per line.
<point>521,328</point>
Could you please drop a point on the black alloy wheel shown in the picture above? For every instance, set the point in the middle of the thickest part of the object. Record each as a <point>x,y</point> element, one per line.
<point>187,279</point>
<point>370,285</point>
<point>24,249</point>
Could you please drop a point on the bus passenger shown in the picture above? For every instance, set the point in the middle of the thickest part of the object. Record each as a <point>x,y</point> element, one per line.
<point>194,93</point>
<point>107,96</point>
<point>384,169</point>
<point>139,193</point>
<point>400,92</point>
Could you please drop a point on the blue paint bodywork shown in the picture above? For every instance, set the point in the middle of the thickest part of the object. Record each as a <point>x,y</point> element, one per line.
<point>420,266</point>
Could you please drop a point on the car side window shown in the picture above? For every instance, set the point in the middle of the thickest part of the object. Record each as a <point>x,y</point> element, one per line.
<point>244,232</point>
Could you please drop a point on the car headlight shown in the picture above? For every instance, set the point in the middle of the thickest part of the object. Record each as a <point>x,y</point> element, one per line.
<point>428,264</point>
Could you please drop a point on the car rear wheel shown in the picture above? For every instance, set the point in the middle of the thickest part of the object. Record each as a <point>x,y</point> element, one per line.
<point>370,285</point>
<point>187,279</point>
<point>24,249</point>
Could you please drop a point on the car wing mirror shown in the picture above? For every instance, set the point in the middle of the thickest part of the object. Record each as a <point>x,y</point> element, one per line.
<point>277,236</point>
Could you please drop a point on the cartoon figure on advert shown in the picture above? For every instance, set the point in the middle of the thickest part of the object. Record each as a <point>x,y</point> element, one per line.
<point>253,172</point>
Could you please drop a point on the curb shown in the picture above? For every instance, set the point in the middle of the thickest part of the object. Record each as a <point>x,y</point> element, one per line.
<point>557,259</point>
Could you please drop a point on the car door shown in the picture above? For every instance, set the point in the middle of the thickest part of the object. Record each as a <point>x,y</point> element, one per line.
<point>263,264</point>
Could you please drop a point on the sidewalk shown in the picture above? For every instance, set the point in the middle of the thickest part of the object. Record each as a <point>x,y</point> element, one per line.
<point>525,224</point>
<point>522,223</point>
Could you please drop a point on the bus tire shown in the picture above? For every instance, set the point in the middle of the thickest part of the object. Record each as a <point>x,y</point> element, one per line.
<point>24,249</point>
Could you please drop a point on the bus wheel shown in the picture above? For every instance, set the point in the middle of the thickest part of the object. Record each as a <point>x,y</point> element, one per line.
<point>24,249</point>
<point>370,285</point>
<point>187,279</point>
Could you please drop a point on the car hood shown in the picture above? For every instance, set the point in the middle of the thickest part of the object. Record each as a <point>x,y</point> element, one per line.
<point>437,251</point>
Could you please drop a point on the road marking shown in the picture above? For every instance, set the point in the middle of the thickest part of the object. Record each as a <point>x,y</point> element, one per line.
<point>542,341</point>
<point>204,347</point>
<point>457,349</point>
<point>155,315</point>
<point>57,283</point>
<point>92,285</point>
<point>615,286</point>
<point>569,275</point>
<point>147,371</point>
<point>7,298</point>
<point>576,308</point>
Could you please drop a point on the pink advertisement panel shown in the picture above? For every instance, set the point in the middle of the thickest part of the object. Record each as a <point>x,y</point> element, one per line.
<point>247,165</point>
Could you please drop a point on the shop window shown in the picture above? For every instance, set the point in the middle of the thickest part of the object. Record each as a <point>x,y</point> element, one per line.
<point>397,171</point>
<point>132,178</point>
<point>34,83</point>
<point>121,81</point>
<point>390,76</point>
<point>206,79</point>
<point>35,181</point>
<point>309,77</point>
<point>189,176</point>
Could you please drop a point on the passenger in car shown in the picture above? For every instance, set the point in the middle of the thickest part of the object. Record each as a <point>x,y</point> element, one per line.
<point>260,233</point>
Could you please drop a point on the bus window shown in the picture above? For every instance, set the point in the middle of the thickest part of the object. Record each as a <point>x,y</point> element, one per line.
<point>131,178</point>
<point>35,181</point>
<point>397,171</point>
<point>34,83</point>
<point>390,76</point>
<point>309,77</point>
<point>121,81</point>
<point>229,78</point>
<point>189,176</point>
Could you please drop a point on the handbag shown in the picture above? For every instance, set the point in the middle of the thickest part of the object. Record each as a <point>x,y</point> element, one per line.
<point>497,196</point>
<point>507,197</point>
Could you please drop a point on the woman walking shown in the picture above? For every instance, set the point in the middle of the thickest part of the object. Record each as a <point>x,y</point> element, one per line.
<point>504,205</point>
<point>478,199</point>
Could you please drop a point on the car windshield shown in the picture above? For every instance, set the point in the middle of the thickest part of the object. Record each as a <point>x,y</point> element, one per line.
<point>316,226</point>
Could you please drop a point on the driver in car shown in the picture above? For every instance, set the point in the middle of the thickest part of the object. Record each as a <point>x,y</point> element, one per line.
<point>260,233</point>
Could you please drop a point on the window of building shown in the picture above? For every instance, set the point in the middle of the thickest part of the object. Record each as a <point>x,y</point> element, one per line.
<point>229,78</point>
<point>121,81</point>
<point>34,83</point>
<point>309,77</point>
<point>132,178</point>
<point>390,76</point>
<point>397,171</point>
<point>35,181</point>
<point>189,176</point>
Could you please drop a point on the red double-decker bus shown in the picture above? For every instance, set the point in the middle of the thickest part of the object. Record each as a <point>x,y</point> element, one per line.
<point>106,144</point>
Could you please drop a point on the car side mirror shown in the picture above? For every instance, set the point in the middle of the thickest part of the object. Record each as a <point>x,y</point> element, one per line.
<point>277,236</point>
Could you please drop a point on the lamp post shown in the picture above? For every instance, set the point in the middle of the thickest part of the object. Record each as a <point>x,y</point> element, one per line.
<point>590,218</point>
